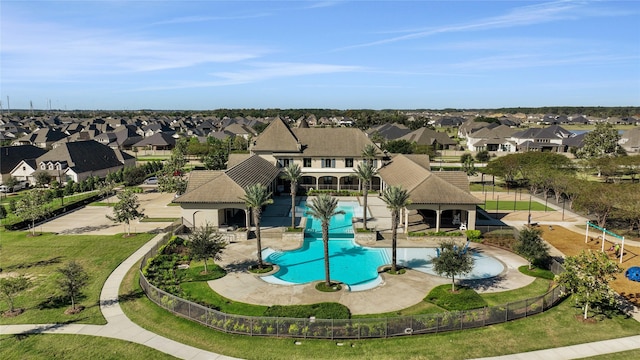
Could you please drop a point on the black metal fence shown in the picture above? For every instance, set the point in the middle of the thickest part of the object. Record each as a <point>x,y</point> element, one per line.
<point>345,328</point>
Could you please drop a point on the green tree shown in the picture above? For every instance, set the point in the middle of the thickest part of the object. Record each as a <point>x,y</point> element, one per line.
<point>598,199</point>
<point>365,172</point>
<point>399,146</point>
<point>628,205</point>
<point>31,207</point>
<point>3,212</point>
<point>483,156</point>
<point>126,209</point>
<point>73,279</point>
<point>452,261</point>
<point>531,246</point>
<point>256,196</point>
<point>215,159</point>
<point>323,207</point>
<point>468,164</point>
<point>601,142</point>
<point>205,244</point>
<point>587,277</point>
<point>396,199</point>
<point>170,180</point>
<point>292,173</point>
<point>369,152</point>
<point>42,178</point>
<point>11,182</point>
<point>11,286</point>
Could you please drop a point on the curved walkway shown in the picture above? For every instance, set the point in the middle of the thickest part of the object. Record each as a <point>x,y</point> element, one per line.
<point>118,325</point>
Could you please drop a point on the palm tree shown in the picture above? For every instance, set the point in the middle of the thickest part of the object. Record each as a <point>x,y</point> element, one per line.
<point>293,174</point>
<point>369,152</point>
<point>256,196</point>
<point>396,198</point>
<point>323,207</point>
<point>364,172</point>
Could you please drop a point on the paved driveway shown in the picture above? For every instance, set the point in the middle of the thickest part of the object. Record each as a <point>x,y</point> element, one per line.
<point>92,220</point>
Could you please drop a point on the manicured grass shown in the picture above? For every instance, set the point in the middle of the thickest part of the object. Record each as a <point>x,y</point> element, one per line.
<point>557,327</point>
<point>537,288</point>
<point>537,272</point>
<point>102,203</point>
<point>508,205</point>
<point>74,347</point>
<point>202,293</point>
<point>463,298</point>
<point>39,258</point>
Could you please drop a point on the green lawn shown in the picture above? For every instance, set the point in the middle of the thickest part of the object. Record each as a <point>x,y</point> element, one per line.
<point>557,327</point>
<point>39,258</point>
<point>537,288</point>
<point>74,347</point>
<point>507,205</point>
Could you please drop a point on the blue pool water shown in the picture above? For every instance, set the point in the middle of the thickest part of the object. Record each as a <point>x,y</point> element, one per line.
<point>352,264</point>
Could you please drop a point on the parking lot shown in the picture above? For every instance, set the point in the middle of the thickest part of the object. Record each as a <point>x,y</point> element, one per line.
<point>93,219</point>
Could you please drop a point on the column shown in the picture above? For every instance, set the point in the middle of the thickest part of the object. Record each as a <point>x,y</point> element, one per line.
<point>438,215</point>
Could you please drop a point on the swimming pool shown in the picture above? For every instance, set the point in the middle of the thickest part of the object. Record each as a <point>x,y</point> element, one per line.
<point>353,264</point>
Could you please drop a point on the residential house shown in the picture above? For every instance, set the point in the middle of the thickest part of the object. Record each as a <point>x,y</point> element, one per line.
<point>10,156</point>
<point>551,138</point>
<point>425,136</point>
<point>157,141</point>
<point>75,161</point>
<point>630,140</point>
<point>492,138</point>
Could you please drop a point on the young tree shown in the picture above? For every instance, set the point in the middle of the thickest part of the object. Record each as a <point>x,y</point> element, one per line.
<point>10,286</point>
<point>42,178</point>
<point>396,199</point>
<point>365,172</point>
<point>204,243</point>
<point>468,165</point>
<point>531,246</point>
<point>3,212</point>
<point>126,209</point>
<point>73,279</point>
<point>587,277</point>
<point>256,196</point>
<point>323,207</point>
<point>483,156</point>
<point>292,173</point>
<point>31,207</point>
<point>453,260</point>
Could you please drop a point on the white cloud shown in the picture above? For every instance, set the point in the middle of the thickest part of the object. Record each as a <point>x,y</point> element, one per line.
<point>520,16</point>
<point>55,51</point>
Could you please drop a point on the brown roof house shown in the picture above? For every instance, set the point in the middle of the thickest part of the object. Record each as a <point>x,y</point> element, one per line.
<point>442,197</point>
<point>328,158</point>
<point>215,196</point>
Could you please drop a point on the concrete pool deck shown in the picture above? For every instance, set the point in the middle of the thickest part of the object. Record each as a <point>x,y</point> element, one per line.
<point>240,285</point>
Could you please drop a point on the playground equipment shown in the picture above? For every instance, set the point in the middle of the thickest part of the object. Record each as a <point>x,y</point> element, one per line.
<point>604,234</point>
<point>633,273</point>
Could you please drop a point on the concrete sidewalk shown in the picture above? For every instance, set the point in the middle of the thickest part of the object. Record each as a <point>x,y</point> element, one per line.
<point>118,325</point>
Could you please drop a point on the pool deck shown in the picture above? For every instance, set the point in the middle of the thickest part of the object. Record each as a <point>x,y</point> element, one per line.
<point>395,293</point>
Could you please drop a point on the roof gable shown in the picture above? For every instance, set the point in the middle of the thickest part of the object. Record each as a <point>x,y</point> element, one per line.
<point>276,137</point>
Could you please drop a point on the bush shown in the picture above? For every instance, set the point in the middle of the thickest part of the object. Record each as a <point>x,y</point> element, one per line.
<point>320,311</point>
<point>464,299</point>
<point>483,156</point>
<point>473,235</point>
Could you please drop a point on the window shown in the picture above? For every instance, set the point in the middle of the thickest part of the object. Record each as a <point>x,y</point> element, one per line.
<point>348,162</point>
<point>328,163</point>
<point>285,162</point>
<point>43,166</point>
<point>306,162</point>
<point>50,166</point>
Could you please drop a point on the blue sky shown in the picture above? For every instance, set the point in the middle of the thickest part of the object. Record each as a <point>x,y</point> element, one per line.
<point>199,55</point>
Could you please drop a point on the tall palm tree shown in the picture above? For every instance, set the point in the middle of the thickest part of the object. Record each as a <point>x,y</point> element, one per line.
<point>365,172</point>
<point>396,198</point>
<point>323,207</point>
<point>293,174</point>
<point>256,196</point>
